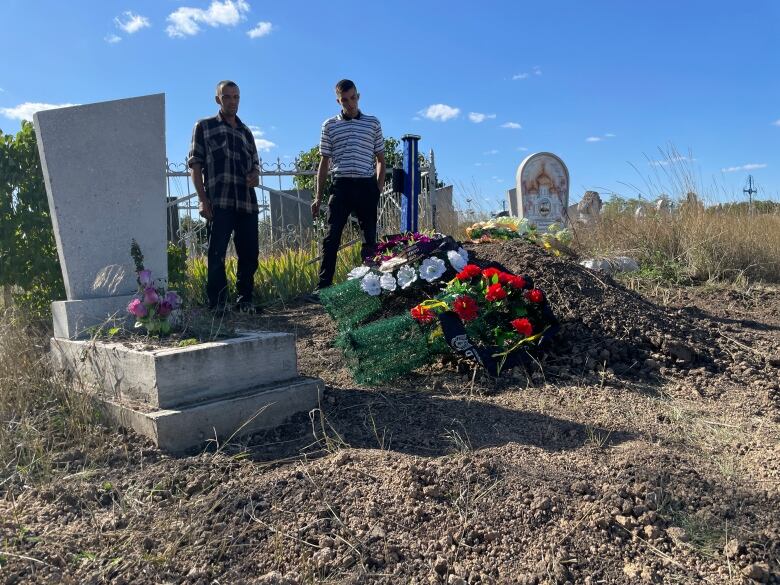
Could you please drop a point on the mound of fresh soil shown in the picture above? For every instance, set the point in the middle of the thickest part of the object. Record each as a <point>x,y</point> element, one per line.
<point>604,325</point>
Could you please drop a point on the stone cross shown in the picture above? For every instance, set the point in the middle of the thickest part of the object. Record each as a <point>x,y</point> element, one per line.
<point>104,169</point>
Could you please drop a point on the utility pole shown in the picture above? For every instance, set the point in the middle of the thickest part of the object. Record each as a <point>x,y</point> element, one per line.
<point>750,191</point>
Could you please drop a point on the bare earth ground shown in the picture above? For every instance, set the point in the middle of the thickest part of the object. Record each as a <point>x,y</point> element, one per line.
<point>644,449</point>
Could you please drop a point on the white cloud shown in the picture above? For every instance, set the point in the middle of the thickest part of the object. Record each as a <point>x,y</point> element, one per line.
<point>131,23</point>
<point>670,161</point>
<point>262,29</point>
<point>490,152</point>
<point>440,112</point>
<point>747,167</point>
<point>609,135</point>
<point>2,90</point>
<point>186,21</point>
<point>26,110</point>
<point>263,145</point>
<point>776,123</point>
<point>512,125</point>
<point>594,139</point>
<point>477,117</point>
<point>535,71</point>
<point>522,148</point>
<point>112,39</point>
<point>497,179</point>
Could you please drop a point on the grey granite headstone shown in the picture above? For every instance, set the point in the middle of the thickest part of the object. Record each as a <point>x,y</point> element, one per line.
<point>104,169</point>
<point>291,215</point>
<point>542,192</point>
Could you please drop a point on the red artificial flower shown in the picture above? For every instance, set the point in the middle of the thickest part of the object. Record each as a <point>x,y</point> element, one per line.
<point>495,292</point>
<point>423,314</point>
<point>504,277</point>
<point>523,326</point>
<point>516,282</point>
<point>469,271</point>
<point>489,273</point>
<point>465,307</point>
<point>535,295</point>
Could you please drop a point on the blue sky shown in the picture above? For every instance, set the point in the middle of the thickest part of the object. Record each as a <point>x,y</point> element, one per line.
<point>602,84</point>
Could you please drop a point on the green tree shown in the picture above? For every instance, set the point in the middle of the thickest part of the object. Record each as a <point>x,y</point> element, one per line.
<point>28,253</point>
<point>310,160</point>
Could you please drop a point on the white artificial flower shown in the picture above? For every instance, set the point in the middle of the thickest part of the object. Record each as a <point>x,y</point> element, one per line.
<point>392,264</point>
<point>388,282</point>
<point>370,284</point>
<point>456,260</point>
<point>358,272</point>
<point>406,276</point>
<point>523,226</point>
<point>432,268</point>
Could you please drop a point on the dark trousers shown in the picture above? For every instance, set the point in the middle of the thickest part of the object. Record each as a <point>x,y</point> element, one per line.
<point>243,227</point>
<point>361,197</point>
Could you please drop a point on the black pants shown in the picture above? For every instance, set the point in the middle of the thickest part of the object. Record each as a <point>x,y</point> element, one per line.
<point>361,197</point>
<point>243,227</point>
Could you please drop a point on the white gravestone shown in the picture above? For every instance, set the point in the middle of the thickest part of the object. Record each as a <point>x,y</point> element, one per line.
<point>104,169</point>
<point>542,192</point>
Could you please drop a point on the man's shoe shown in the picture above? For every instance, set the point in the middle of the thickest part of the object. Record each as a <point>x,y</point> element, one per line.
<point>247,308</point>
<point>313,298</point>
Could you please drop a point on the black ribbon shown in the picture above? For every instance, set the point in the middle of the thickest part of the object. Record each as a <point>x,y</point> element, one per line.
<point>457,338</point>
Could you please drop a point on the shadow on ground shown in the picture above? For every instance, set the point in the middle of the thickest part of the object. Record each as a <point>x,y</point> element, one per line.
<point>419,424</point>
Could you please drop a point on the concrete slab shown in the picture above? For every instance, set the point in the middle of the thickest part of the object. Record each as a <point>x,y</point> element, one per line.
<point>74,319</point>
<point>189,428</point>
<point>179,376</point>
<point>104,169</point>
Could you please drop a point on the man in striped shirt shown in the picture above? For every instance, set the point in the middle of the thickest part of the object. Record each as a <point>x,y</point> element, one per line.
<point>352,146</point>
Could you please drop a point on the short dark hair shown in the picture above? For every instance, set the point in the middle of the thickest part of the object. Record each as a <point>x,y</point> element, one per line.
<point>225,83</point>
<point>345,85</point>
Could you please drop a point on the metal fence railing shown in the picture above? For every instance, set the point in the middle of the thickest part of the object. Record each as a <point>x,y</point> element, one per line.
<point>285,214</point>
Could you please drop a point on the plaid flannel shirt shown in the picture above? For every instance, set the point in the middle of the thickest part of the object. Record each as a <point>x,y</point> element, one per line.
<point>226,155</point>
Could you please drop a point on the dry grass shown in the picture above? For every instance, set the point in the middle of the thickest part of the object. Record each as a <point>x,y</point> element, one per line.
<point>40,417</point>
<point>698,243</point>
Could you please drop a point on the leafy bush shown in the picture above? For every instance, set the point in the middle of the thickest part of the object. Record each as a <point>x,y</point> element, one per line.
<point>28,253</point>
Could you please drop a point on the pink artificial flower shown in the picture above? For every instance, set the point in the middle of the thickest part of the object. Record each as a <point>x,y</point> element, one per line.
<point>151,297</point>
<point>165,309</point>
<point>145,278</point>
<point>137,308</point>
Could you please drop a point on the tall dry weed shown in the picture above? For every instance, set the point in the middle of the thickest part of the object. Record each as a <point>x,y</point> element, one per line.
<point>40,417</point>
<point>703,244</point>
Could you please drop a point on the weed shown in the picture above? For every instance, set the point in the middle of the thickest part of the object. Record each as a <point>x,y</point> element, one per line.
<point>597,438</point>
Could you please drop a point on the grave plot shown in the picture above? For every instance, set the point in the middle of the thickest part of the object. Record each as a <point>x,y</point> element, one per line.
<point>103,166</point>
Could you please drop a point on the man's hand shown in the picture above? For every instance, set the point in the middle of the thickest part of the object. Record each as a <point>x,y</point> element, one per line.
<point>315,207</point>
<point>253,178</point>
<point>204,207</point>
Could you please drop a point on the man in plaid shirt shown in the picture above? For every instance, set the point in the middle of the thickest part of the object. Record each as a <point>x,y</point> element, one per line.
<point>225,169</point>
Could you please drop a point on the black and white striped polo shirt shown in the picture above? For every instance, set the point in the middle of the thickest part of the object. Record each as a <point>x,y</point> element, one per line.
<point>351,144</point>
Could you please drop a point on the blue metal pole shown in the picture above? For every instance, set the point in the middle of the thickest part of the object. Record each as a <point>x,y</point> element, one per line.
<point>411,195</point>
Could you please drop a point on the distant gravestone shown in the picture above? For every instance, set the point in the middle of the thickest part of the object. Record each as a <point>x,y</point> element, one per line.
<point>542,192</point>
<point>104,169</point>
<point>587,211</point>
<point>291,215</point>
